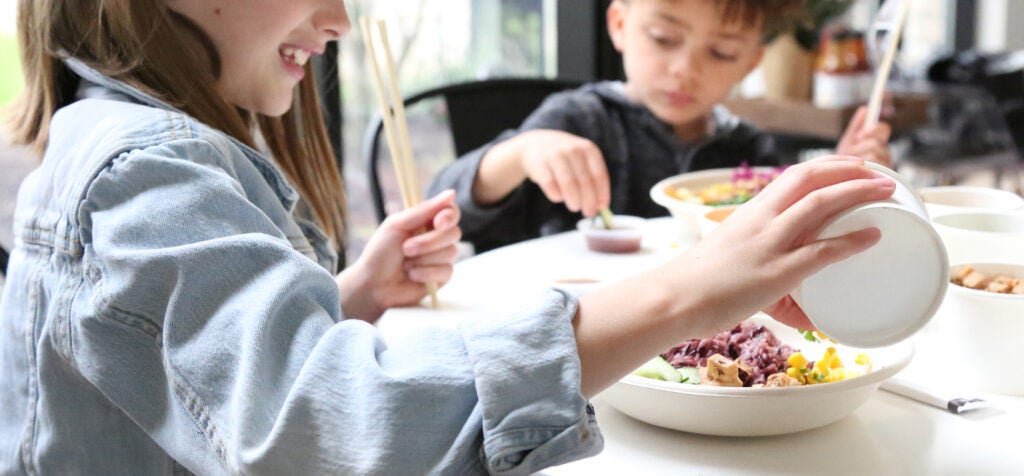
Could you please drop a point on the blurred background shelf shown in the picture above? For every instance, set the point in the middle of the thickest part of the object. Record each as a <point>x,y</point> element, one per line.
<point>801,118</point>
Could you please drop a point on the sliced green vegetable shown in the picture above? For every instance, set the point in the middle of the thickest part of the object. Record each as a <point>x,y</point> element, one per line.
<point>659,369</point>
<point>690,375</point>
<point>606,218</point>
<point>809,335</point>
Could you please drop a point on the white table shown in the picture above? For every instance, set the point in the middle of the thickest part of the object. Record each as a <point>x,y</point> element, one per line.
<point>889,434</point>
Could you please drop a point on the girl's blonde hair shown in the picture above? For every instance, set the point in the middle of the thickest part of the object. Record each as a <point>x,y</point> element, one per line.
<point>147,45</point>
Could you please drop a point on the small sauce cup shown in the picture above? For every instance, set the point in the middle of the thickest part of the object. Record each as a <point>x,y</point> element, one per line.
<point>624,237</point>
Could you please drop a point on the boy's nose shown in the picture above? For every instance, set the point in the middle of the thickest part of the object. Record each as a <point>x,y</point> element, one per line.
<point>685,64</point>
<point>332,19</point>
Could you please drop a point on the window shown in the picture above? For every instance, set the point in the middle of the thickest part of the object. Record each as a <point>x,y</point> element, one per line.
<point>435,42</point>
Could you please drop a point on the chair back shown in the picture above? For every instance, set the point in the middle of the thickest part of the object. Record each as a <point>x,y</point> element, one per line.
<point>476,112</point>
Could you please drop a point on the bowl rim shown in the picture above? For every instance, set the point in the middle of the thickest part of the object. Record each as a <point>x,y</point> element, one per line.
<point>988,191</point>
<point>900,355</point>
<point>659,196</point>
<point>938,221</point>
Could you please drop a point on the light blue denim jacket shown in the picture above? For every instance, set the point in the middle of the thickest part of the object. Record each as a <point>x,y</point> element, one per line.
<point>165,312</point>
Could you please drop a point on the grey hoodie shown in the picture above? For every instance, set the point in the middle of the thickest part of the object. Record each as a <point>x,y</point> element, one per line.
<point>638,149</point>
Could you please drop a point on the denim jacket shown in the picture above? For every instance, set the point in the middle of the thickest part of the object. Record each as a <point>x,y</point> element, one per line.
<point>166,312</point>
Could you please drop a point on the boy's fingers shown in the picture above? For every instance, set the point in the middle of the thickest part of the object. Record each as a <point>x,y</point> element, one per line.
<point>598,172</point>
<point>566,183</point>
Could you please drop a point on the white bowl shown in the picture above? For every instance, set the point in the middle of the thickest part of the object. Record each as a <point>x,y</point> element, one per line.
<point>742,411</point>
<point>982,236</point>
<point>888,292</point>
<point>984,331</point>
<point>960,198</point>
<point>687,213</point>
<point>625,236</point>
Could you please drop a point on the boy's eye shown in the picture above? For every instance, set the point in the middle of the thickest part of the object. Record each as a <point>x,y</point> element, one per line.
<point>723,55</point>
<point>662,39</point>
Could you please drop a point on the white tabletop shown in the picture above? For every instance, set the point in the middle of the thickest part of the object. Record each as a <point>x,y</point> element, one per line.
<point>889,434</point>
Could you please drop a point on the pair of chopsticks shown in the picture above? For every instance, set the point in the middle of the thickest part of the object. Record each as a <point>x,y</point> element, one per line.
<point>396,129</point>
<point>882,74</point>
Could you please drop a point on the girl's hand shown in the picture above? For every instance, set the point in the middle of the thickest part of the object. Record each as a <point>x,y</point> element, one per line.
<point>567,168</point>
<point>398,262</point>
<point>768,246</point>
<point>871,144</point>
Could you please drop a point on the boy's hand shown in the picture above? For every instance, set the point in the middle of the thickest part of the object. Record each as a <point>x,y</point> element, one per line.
<point>397,262</point>
<point>868,144</point>
<point>567,168</point>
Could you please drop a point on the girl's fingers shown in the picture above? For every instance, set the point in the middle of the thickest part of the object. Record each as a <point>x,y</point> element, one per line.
<point>419,216</point>
<point>798,181</point>
<point>437,274</point>
<point>442,257</point>
<point>817,254</point>
<point>447,218</point>
<point>806,218</point>
<point>431,241</point>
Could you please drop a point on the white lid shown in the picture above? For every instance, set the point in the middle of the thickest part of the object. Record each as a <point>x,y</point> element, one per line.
<point>886,293</point>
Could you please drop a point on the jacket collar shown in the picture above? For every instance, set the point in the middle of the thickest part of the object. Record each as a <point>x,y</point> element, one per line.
<point>269,169</point>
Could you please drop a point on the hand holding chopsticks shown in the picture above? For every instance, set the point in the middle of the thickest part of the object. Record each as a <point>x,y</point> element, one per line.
<point>885,19</point>
<point>395,127</point>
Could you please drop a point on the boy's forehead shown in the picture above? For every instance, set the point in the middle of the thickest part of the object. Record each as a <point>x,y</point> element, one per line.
<point>727,16</point>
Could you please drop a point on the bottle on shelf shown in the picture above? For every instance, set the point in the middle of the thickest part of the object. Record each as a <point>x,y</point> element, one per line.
<point>842,75</point>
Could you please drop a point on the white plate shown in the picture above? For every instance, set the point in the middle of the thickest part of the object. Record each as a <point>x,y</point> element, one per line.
<point>739,411</point>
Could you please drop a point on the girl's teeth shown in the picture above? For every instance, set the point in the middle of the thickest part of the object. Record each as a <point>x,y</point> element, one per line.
<point>295,55</point>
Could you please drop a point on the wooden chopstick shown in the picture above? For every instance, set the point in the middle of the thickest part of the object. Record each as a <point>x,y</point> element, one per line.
<point>882,75</point>
<point>396,129</point>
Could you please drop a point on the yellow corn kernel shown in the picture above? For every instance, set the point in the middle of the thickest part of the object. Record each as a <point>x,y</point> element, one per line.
<point>862,359</point>
<point>797,359</point>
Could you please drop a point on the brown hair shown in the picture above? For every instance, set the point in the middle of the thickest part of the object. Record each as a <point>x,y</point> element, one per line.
<point>774,16</point>
<point>147,45</point>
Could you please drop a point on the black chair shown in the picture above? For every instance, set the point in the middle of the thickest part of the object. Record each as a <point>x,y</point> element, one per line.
<point>476,112</point>
<point>3,261</point>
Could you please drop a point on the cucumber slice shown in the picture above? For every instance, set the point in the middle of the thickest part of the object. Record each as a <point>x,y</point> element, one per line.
<point>690,375</point>
<point>659,369</point>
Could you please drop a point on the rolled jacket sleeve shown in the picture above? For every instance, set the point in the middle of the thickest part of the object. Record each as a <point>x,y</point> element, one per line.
<point>204,324</point>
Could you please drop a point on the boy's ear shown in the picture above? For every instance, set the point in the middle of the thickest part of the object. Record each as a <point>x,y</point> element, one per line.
<point>616,17</point>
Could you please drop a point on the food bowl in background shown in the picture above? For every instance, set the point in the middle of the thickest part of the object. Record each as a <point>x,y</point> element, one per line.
<point>982,236</point>
<point>689,213</point>
<point>984,330</point>
<point>746,411</point>
<point>960,198</point>
<point>713,217</point>
<point>888,292</point>
<point>625,237</point>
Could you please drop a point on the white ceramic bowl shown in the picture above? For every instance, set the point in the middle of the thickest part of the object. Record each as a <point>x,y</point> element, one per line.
<point>888,292</point>
<point>689,214</point>
<point>625,237</point>
<point>984,331</point>
<point>739,411</point>
<point>982,236</point>
<point>960,198</point>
